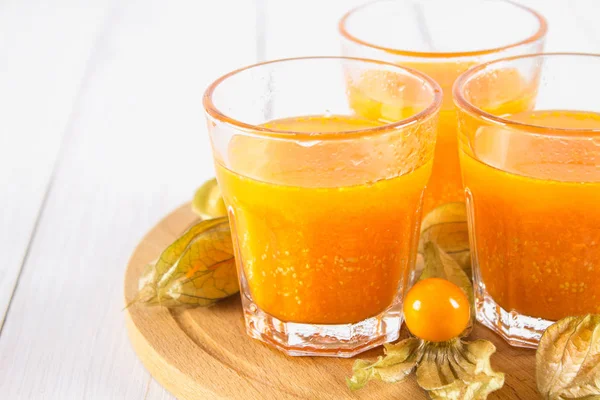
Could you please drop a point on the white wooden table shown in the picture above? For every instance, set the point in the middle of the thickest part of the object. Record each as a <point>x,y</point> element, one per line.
<point>101,134</point>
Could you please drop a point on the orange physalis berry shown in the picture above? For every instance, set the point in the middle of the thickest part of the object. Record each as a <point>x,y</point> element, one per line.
<point>436,310</point>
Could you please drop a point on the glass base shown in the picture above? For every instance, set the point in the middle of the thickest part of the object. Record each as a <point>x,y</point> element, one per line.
<point>517,329</point>
<point>342,340</point>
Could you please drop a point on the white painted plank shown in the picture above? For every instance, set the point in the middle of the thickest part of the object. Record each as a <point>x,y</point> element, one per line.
<point>587,13</point>
<point>136,148</point>
<point>157,392</point>
<point>309,27</point>
<point>43,51</point>
<point>570,26</point>
<point>304,28</point>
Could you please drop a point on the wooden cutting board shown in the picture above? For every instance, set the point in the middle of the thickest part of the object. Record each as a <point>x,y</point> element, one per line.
<point>204,353</point>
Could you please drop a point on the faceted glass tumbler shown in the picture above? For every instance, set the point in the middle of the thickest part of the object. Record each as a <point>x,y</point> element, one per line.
<point>442,39</point>
<point>532,181</point>
<point>324,200</point>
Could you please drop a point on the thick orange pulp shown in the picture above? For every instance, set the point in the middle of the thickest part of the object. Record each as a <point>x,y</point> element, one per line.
<point>536,218</point>
<point>311,248</point>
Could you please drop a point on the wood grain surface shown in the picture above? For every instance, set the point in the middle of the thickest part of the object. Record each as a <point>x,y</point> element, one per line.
<point>204,353</point>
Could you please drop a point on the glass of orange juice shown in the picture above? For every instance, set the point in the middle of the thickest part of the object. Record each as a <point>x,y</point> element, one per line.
<point>532,180</point>
<point>323,203</point>
<point>443,39</point>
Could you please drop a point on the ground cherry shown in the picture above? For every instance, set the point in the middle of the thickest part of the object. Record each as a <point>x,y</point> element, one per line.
<point>436,310</point>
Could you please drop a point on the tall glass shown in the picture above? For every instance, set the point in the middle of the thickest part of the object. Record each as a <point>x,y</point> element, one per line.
<point>443,39</point>
<point>323,203</point>
<point>532,179</point>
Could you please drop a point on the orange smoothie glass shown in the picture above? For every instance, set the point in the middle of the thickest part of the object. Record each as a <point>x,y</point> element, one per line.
<point>442,38</point>
<point>323,203</point>
<point>532,183</point>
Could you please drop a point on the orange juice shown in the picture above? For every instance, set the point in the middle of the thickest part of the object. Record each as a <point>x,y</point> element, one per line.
<point>536,226</point>
<point>314,248</point>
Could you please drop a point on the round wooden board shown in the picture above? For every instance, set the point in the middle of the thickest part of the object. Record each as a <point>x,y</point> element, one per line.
<point>204,353</point>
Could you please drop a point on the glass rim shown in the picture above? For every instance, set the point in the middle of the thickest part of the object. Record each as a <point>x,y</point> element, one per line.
<point>538,35</point>
<point>213,111</point>
<point>532,129</point>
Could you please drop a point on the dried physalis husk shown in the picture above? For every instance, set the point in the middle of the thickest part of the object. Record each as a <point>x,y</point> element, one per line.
<point>198,269</point>
<point>447,226</point>
<point>399,361</point>
<point>439,264</point>
<point>448,370</point>
<point>568,359</point>
<point>208,201</point>
<point>458,370</point>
